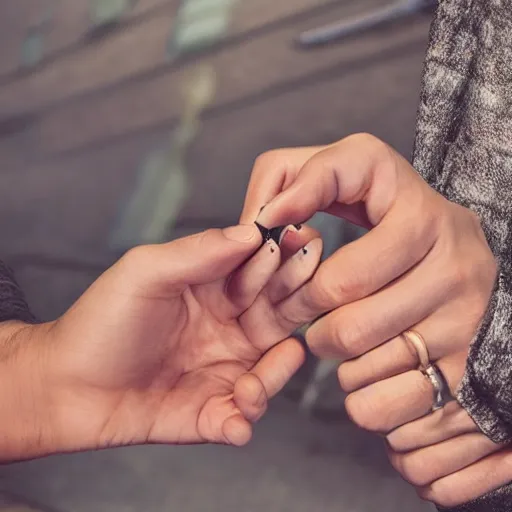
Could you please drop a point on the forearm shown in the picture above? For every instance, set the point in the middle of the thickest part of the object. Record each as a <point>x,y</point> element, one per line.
<point>24,402</point>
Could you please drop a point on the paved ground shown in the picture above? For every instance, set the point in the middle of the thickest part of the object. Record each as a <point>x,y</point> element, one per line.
<point>72,135</point>
<point>294,464</point>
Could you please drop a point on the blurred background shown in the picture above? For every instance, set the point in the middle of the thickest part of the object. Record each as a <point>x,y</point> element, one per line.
<point>133,121</point>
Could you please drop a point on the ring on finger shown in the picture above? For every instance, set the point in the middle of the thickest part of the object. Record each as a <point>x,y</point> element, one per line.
<point>442,394</point>
<point>416,340</point>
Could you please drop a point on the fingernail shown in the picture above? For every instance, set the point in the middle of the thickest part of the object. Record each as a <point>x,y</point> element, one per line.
<point>241,233</point>
<point>273,246</point>
<point>302,252</point>
<point>287,232</point>
<point>265,216</point>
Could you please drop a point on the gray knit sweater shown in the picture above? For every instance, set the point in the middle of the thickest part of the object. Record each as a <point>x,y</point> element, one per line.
<point>464,150</point>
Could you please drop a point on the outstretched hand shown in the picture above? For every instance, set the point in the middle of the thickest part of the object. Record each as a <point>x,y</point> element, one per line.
<point>177,343</point>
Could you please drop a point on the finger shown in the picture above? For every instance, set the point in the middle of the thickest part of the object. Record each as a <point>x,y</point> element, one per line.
<point>253,390</point>
<point>360,269</point>
<point>197,259</point>
<point>450,421</point>
<point>236,430</point>
<point>261,322</point>
<point>360,326</point>
<point>278,365</point>
<point>272,173</point>
<point>470,483</point>
<point>249,280</point>
<point>392,358</point>
<point>295,272</point>
<point>448,329</point>
<point>219,421</point>
<point>424,466</point>
<point>393,402</point>
<point>293,241</point>
<point>250,397</point>
<point>358,169</point>
<point>390,403</point>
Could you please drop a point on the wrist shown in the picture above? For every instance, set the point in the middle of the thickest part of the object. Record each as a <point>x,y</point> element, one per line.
<point>25,405</point>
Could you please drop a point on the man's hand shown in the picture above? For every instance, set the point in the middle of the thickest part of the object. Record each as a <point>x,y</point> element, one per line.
<point>178,343</point>
<point>424,265</point>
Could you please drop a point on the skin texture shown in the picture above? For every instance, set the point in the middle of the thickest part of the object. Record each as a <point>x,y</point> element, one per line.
<point>423,265</point>
<point>165,347</point>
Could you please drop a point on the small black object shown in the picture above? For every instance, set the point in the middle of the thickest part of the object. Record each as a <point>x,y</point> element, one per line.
<point>274,233</point>
<point>264,231</point>
<point>270,234</point>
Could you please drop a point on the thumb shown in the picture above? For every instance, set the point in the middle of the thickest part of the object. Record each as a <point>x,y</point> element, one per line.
<point>359,178</point>
<point>196,259</point>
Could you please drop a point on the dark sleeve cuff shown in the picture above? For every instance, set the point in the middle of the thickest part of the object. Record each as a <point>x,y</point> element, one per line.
<point>485,391</point>
<point>13,305</point>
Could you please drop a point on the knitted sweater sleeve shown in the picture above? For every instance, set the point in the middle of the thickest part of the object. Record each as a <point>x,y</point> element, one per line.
<point>12,301</point>
<point>464,150</point>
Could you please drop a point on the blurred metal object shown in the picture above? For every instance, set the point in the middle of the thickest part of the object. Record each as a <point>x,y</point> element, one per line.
<point>33,46</point>
<point>163,185</point>
<point>339,30</point>
<point>105,12</point>
<point>199,24</point>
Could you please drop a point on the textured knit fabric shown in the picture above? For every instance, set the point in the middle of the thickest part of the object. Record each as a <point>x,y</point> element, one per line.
<point>464,150</point>
<point>12,301</point>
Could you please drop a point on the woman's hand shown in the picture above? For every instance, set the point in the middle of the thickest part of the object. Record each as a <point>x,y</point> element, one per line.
<point>424,265</point>
<point>170,345</point>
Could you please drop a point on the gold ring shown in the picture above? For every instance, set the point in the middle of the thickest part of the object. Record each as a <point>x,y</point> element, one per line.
<point>417,341</point>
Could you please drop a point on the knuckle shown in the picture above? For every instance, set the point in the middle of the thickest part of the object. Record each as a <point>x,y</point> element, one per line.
<point>345,378</point>
<point>477,264</point>
<point>315,343</point>
<point>486,269</point>
<point>349,336</point>
<point>137,256</point>
<point>363,411</point>
<point>458,274</point>
<point>413,469</point>
<point>434,493</point>
<point>337,338</point>
<point>322,291</point>
<point>204,238</point>
<point>474,220</point>
<point>329,292</point>
<point>366,139</point>
<point>395,442</point>
<point>268,161</point>
<point>382,152</point>
<point>290,318</point>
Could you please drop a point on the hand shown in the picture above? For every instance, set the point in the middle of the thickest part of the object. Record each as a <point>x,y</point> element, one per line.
<point>424,265</point>
<point>169,346</point>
